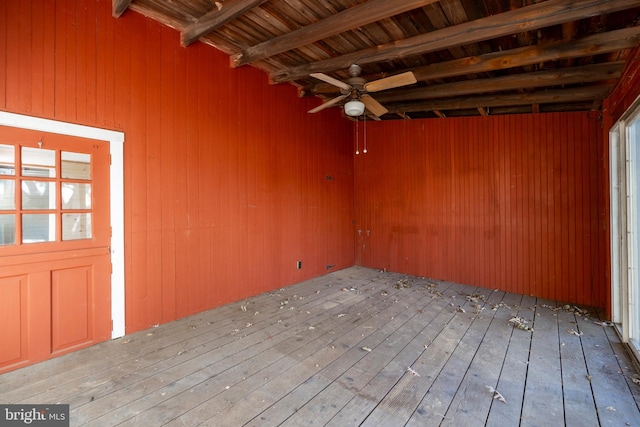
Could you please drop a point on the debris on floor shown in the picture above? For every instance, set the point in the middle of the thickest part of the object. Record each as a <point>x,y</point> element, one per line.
<point>520,323</point>
<point>412,371</point>
<point>476,298</point>
<point>603,323</point>
<point>576,333</point>
<point>495,307</point>
<point>568,308</point>
<point>402,284</point>
<point>477,309</point>
<point>496,394</point>
<point>366,349</point>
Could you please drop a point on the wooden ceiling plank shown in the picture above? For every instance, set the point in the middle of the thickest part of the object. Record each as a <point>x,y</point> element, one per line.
<point>119,7</point>
<point>348,19</point>
<point>536,79</point>
<point>613,41</point>
<point>216,18</point>
<point>582,94</point>
<point>550,12</point>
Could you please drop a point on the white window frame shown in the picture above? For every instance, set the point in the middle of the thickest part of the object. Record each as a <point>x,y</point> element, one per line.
<point>116,142</point>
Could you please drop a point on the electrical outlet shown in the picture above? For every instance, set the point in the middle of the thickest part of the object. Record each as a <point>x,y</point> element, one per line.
<point>299,265</point>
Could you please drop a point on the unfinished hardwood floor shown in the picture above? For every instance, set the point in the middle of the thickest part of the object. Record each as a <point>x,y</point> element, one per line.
<point>355,347</point>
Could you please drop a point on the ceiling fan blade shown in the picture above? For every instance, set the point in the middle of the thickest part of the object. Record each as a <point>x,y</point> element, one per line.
<point>372,105</point>
<point>327,104</point>
<point>331,80</point>
<point>390,82</point>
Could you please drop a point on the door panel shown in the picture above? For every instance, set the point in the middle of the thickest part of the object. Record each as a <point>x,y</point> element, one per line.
<point>55,267</point>
<point>71,307</point>
<point>13,310</point>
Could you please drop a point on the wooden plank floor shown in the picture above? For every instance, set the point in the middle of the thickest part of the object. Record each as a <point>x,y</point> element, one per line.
<point>356,347</point>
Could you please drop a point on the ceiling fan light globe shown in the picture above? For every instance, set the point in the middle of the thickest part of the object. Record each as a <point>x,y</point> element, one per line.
<point>354,108</point>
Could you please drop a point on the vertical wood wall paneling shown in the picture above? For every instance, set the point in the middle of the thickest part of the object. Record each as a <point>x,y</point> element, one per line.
<point>138,187</point>
<point>4,28</point>
<point>224,173</point>
<point>512,209</point>
<point>11,64</point>
<point>179,169</point>
<point>152,197</point>
<point>167,177</point>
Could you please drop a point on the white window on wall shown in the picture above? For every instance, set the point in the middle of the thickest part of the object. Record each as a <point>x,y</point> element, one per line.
<point>625,226</point>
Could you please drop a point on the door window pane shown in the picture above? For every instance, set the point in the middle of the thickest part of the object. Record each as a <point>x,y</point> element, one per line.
<point>45,195</point>
<point>76,195</point>
<point>7,194</point>
<point>38,162</point>
<point>38,195</point>
<point>7,160</point>
<point>76,226</point>
<point>38,228</point>
<point>7,229</point>
<point>76,165</point>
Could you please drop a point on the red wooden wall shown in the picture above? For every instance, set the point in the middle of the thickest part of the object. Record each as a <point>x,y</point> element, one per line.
<point>508,202</point>
<point>225,175</point>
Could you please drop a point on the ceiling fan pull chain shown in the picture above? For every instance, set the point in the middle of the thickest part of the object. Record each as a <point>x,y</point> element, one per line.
<point>364,125</point>
<point>357,138</point>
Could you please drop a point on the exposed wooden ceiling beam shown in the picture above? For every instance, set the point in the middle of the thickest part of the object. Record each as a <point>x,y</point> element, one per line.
<point>612,41</point>
<point>216,18</point>
<point>354,17</point>
<point>119,6</point>
<point>547,13</point>
<point>582,94</point>
<point>558,77</point>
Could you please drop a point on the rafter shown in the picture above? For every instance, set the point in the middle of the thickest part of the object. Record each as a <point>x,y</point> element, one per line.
<point>216,18</point>
<point>537,79</point>
<point>354,17</point>
<point>582,94</point>
<point>612,41</point>
<point>550,12</point>
<point>119,7</point>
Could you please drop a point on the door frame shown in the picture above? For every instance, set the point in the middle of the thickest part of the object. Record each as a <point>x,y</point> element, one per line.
<point>116,173</point>
<point>625,263</point>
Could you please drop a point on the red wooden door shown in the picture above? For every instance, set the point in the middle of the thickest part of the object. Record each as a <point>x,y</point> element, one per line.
<point>55,268</point>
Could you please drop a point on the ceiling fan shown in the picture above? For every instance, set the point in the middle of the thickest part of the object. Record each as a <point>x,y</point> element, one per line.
<point>357,89</point>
